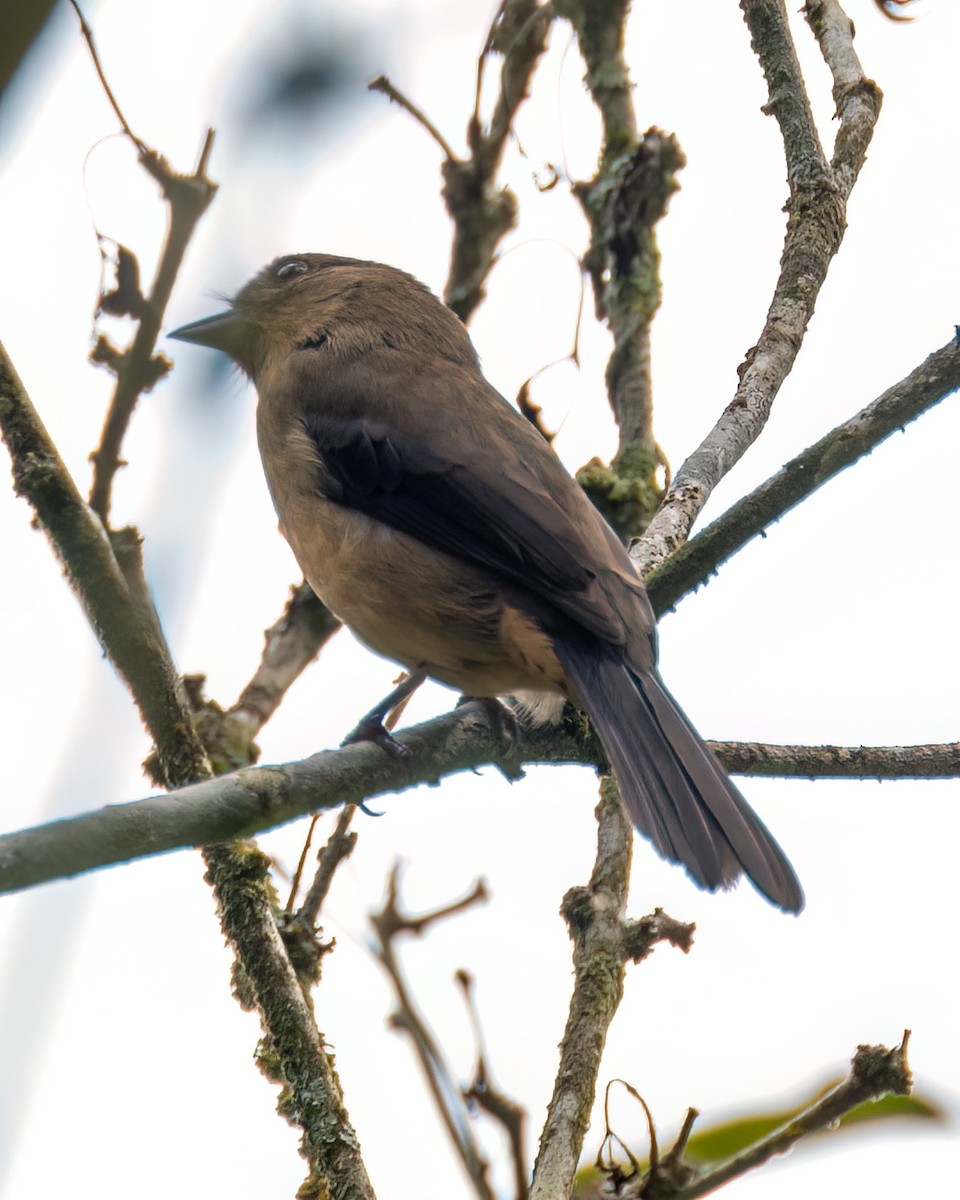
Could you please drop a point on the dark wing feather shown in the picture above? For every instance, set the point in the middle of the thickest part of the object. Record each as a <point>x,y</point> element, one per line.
<point>494,518</point>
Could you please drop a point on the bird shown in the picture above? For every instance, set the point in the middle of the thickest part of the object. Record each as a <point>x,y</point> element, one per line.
<point>436,522</point>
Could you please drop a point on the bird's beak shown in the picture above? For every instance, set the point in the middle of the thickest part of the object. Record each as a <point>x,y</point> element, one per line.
<point>224,331</point>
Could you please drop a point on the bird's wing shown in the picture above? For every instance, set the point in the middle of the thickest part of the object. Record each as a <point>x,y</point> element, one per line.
<point>483,486</point>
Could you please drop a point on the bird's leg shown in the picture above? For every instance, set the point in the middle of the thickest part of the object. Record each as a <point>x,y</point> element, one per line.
<point>370,728</point>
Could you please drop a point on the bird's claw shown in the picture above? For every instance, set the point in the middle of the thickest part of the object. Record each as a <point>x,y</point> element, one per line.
<point>373,730</point>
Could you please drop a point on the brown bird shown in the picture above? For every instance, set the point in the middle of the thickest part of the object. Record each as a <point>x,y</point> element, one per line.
<point>435,521</point>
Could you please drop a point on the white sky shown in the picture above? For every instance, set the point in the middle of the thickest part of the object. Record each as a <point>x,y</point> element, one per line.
<point>124,1062</point>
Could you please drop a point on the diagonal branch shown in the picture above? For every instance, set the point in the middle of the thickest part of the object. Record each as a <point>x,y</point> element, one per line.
<point>124,626</point>
<point>875,1071</point>
<point>817,219</point>
<point>447,1094</point>
<point>695,561</point>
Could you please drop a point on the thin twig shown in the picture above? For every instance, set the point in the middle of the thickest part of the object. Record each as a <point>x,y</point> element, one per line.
<point>290,645</point>
<point>695,561</point>
<point>101,75</point>
<point>337,848</point>
<point>503,1109</point>
<point>875,1071</point>
<point>387,924</point>
<point>383,84</point>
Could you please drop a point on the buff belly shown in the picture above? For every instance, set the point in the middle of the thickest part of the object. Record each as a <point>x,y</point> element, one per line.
<point>420,607</point>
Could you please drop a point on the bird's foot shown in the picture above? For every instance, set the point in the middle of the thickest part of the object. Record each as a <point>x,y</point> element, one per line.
<point>500,715</point>
<point>372,729</point>
<point>505,722</point>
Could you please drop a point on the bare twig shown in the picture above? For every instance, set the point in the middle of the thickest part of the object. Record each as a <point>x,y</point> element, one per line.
<point>338,847</point>
<point>482,213</point>
<point>290,645</point>
<point>695,561</point>
<point>383,84</point>
<point>387,924</point>
<point>136,368</point>
<point>101,75</point>
<point>875,1072</point>
<point>817,218</point>
<point>495,1103</point>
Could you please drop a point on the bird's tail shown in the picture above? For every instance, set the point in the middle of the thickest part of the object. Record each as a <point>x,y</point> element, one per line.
<point>676,792</point>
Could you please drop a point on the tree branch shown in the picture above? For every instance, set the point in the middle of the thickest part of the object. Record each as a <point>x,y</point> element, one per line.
<point>126,629</point>
<point>136,368</point>
<point>482,213</point>
<point>940,761</point>
<point>602,943</point>
<point>695,561</point>
<point>240,877</point>
<point>258,798</point>
<point>595,919</point>
<point>817,219</point>
<point>447,1094</point>
<point>623,204</point>
<point>875,1071</point>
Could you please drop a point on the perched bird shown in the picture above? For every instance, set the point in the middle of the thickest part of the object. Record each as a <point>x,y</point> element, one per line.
<point>437,523</point>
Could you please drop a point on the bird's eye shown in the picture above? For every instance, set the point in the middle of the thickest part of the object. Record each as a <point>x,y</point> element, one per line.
<point>291,269</point>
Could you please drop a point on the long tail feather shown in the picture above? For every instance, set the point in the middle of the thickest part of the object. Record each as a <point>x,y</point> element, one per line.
<point>676,792</point>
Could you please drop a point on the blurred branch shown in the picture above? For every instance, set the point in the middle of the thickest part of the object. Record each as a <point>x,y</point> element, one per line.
<point>483,213</point>
<point>383,84</point>
<point>258,798</point>
<point>137,368</point>
<point>816,221</point>
<point>101,75</point>
<point>695,561</point>
<point>503,1109</point>
<point>602,943</point>
<point>22,25</point>
<point>388,923</point>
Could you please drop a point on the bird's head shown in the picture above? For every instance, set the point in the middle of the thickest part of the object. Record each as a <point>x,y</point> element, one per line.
<point>304,301</point>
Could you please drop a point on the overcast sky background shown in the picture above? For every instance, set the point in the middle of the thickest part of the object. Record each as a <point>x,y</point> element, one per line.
<point>124,1062</point>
